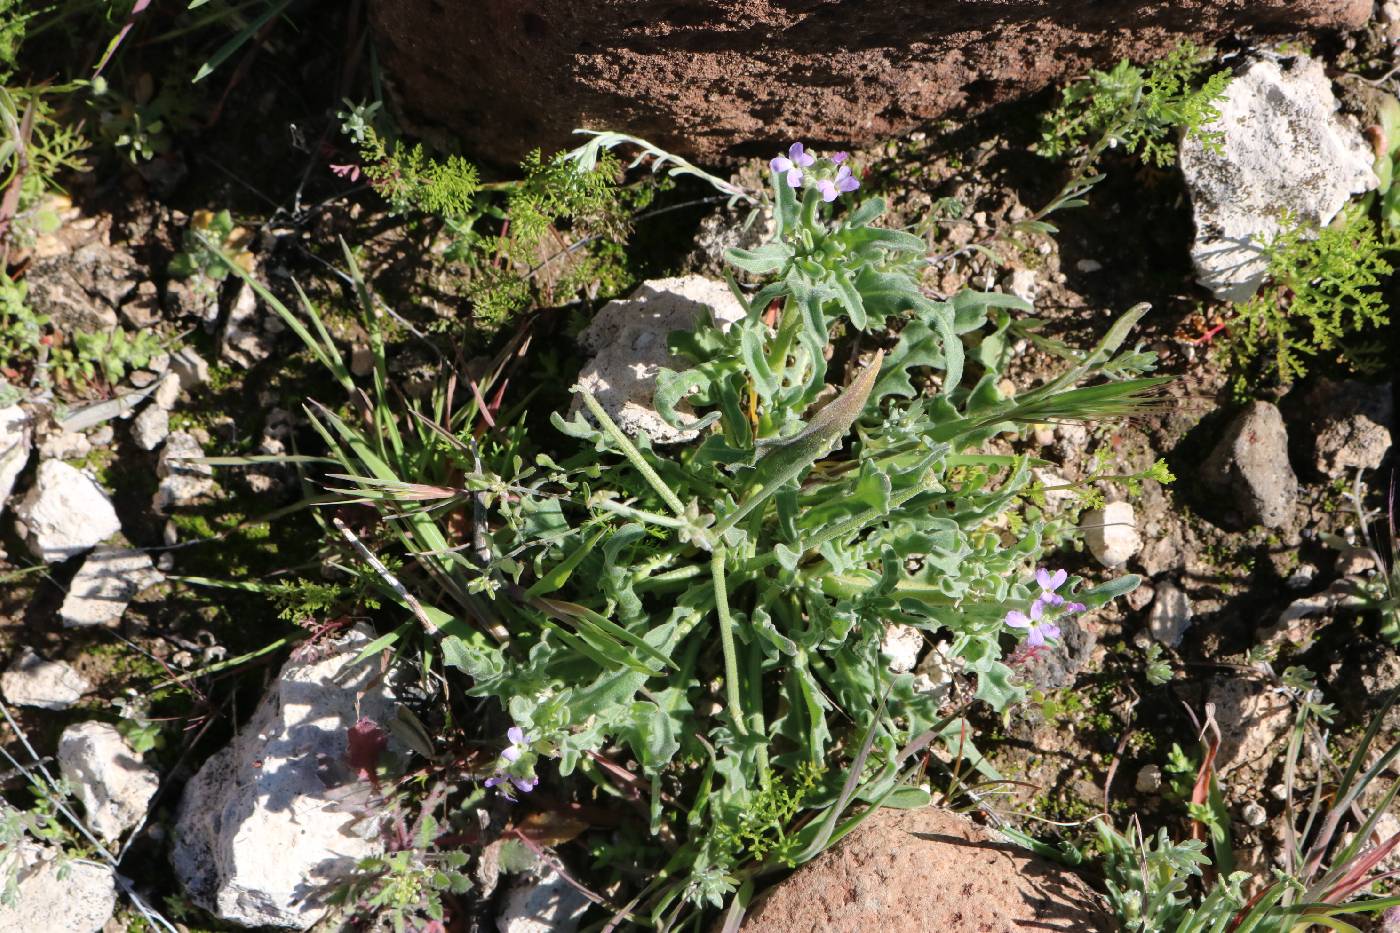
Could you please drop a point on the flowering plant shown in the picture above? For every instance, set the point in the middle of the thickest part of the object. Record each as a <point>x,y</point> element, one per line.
<point>705,622</point>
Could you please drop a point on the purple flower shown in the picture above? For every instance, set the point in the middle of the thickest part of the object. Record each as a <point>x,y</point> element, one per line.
<point>1050,582</point>
<point>843,182</point>
<point>522,784</point>
<point>793,163</point>
<point>1037,631</point>
<point>512,751</point>
<point>840,157</point>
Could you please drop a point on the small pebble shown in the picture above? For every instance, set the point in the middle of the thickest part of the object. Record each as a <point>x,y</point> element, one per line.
<point>1149,780</point>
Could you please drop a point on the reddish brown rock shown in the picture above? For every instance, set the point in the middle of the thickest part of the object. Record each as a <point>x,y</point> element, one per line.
<point>913,871</point>
<point>712,78</point>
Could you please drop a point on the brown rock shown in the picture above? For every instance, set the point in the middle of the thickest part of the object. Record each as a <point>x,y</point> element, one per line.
<point>913,871</point>
<point>705,78</point>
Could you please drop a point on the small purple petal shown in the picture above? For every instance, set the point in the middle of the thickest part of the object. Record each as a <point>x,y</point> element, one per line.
<point>1017,619</point>
<point>840,157</point>
<point>849,183</point>
<point>524,785</point>
<point>1034,638</point>
<point>827,189</point>
<point>799,155</point>
<point>1042,577</point>
<point>1037,610</point>
<point>494,779</point>
<point>516,735</point>
<point>780,164</point>
<point>1075,607</point>
<point>1058,579</point>
<point>1049,630</point>
<point>794,178</point>
<point>1051,599</point>
<point>510,753</point>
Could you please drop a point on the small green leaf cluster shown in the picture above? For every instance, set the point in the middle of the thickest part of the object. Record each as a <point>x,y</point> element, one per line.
<point>405,888</point>
<point>501,230</point>
<point>1138,108</point>
<point>1323,287</point>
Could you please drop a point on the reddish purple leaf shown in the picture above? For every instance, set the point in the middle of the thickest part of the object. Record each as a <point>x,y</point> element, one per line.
<point>365,742</point>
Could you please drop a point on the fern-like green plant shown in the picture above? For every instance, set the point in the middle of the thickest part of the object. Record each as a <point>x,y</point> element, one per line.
<point>1138,108</point>
<point>1323,287</point>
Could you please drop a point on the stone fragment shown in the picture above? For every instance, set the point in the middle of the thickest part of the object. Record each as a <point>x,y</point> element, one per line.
<point>15,442</point>
<point>1350,425</point>
<point>1111,533</point>
<point>901,647</point>
<point>1250,465</point>
<point>141,309</point>
<point>1149,780</point>
<point>65,513</point>
<point>183,482</point>
<point>543,903</point>
<point>168,392</point>
<point>32,681</point>
<point>109,779</point>
<point>1282,150</point>
<point>53,893</point>
<point>263,832</point>
<point>64,445</point>
<point>627,340</point>
<point>913,871</point>
<point>190,368</point>
<point>244,342</point>
<point>150,427</point>
<point>1253,815</point>
<point>1171,614</point>
<point>1023,284</point>
<point>1254,718</point>
<point>103,586</point>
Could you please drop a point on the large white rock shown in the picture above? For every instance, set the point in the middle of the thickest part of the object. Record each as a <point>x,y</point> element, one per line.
<point>259,835</point>
<point>105,584</point>
<point>1111,533</point>
<point>32,681</point>
<point>628,342</point>
<point>65,512</point>
<point>109,779</point>
<point>15,442</point>
<point>54,894</point>
<point>1283,149</point>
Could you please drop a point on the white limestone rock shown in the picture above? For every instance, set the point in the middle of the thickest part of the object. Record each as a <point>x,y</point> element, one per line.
<point>628,343</point>
<point>1111,533</point>
<point>183,482</point>
<point>243,341</point>
<point>65,513</point>
<point>259,835</point>
<point>542,904</point>
<point>150,427</point>
<point>32,681</point>
<point>103,586</point>
<point>1171,614</point>
<point>16,439</point>
<point>109,779</point>
<point>901,646</point>
<point>54,894</point>
<point>1283,149</point>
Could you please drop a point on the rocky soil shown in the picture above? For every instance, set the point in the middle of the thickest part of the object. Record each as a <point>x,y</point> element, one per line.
<point>211,745</point>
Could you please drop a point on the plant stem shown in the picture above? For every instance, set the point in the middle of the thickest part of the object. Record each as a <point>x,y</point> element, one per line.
<point>633,455</point>
<point>726,641</point>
